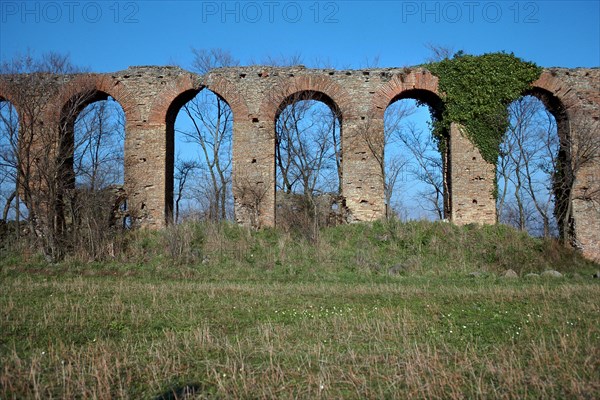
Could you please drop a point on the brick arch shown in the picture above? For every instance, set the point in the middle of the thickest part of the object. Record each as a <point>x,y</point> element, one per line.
<point>420,84</point>
<point>560,102</point>
<point>555,90</point>
<point>556,107</point>
<point>335,93</point>
<point>102,86</point>
<point>184,88</point>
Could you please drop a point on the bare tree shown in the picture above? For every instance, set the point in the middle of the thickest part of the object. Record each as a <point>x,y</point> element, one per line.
<point>404,152</point>
<point>307,147</point>
<point>9,156</point>
<point>528,159</point>
<point>183,171</point>
<point>46,148</point>
<point>426,167</point>
<point>440,53</point>
<point>95,197</point>
<point>393,164</point>
<point>39,153</point>
<point>210,126</point>
<point>371,62</point>
<point>205,60</point>
<point>308,158</point>
<point>98,146</point>
<point>282,60</point>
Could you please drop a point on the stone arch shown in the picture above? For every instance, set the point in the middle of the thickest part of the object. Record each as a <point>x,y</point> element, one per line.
<point>72,99</point>
<point>549,84</point>
<point>94,88</point>
<point>167,105</point>
<point>184,88</point>
<point>305,87</point>
<point>560,103</point>
<point>328,91</point>
<point>559,100</point>
<point>556,98</point>
<point>309,95</point>
<point>420,85</point>
<point>85,90</point>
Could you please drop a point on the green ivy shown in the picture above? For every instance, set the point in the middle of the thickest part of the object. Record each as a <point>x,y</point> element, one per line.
<point>477,91</point>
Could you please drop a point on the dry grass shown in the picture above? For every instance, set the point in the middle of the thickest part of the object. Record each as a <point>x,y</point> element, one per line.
<point>127,337</point>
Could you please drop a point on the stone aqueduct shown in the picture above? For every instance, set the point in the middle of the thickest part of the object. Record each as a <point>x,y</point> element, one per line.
<point>152,96</point>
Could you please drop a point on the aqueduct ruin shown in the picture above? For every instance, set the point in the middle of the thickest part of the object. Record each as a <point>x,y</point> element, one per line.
<point>152,96</point>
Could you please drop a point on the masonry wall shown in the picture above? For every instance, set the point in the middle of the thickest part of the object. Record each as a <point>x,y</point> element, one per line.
<point>472,182</point>
<point>152,96</point>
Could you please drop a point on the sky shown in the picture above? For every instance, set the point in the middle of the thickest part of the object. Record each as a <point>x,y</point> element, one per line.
<point>107,36</point>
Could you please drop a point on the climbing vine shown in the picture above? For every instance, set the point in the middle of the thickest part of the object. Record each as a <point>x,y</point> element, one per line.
<point>476,92</point>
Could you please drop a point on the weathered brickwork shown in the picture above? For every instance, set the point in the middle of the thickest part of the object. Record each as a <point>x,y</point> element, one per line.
<point>472,182</point>
<point>152,96</point>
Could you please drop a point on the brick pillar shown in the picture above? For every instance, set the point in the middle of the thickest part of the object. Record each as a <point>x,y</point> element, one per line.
<point>146,174</point>
<point>472,182</point>
<point>585,152</point>
<point>254,172</point>
<point>586,224</point>
<point>362,177</point>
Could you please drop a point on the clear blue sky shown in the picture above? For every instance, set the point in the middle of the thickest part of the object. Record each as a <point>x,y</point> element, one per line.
<point>112,35</point>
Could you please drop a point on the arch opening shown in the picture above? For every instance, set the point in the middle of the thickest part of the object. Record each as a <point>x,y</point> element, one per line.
<point>534,169</point>
<point>415,162</point>
<point>199,158</point>
<point>12,193</point>
<point>99,136</point>
<point>308,162</point>
<point>91,162</point>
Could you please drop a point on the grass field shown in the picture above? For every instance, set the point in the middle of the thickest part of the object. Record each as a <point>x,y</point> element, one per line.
<point>274,316</point>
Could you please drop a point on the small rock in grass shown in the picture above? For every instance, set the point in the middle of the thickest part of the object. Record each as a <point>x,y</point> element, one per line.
<point>398,269</point>
<point>509,273</point>
<point>532,275</point>
<point>551,274</point>
<point>383,238</point>
<point>596,275</point>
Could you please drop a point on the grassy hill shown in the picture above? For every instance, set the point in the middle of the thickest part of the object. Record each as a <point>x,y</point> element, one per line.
<point>225,312</point>
<point>354,252</point>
